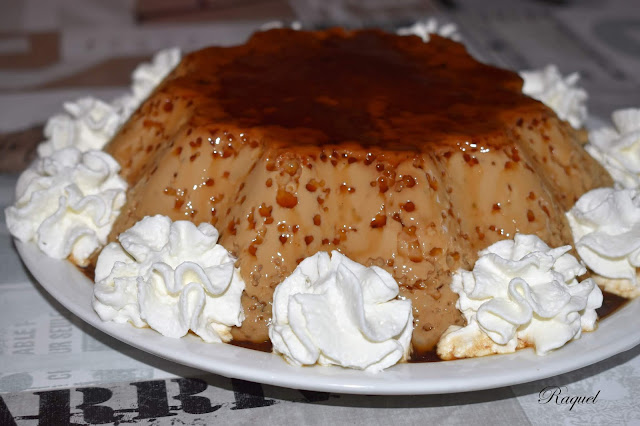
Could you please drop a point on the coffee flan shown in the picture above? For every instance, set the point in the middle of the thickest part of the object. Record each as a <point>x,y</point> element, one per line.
<point>406,155</point>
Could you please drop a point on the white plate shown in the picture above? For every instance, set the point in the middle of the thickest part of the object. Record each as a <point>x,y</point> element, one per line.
<point>73,290</point>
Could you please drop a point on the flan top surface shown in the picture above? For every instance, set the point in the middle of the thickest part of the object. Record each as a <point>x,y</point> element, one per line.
<point>369,87</point>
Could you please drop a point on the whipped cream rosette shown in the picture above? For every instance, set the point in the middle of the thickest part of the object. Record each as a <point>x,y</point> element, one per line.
<point>146,77</point>
<point>67,203</point>
<point>88,125</point>
<point>618,148</point>
<point>559,93</point>
<point>270,25</point>
<point>171,276</point>
<point>334,311</point>
<point>520,293</point>
<point>605,224</point>
<point>429,26</point>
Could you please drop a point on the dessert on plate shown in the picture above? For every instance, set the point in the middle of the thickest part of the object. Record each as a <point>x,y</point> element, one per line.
<point>407,155</point>
<point>403,158</point>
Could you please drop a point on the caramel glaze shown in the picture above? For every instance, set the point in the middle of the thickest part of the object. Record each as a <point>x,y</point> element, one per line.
<point>407,155</point>
<point>610,304</point>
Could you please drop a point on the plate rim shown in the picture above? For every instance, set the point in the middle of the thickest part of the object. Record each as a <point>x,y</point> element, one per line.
<point>615,334</point>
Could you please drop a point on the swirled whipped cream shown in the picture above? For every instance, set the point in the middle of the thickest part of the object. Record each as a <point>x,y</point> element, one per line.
<point>271,25</point>
<point>87,125</point>
<point>606,229</point>
<point>67,203</point>
<point>520,293</point>
<point>334,311</point>
<point>422,29</point>
<point>618,149</point>
<point>172,277</point>
<point>559,93</point>
<point>146,77</point>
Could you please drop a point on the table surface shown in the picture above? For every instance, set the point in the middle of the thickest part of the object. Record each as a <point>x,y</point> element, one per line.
<point>55,369</point>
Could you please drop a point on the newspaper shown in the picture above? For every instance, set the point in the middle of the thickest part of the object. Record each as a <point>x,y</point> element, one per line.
<point>586,37</point>
<point>55,369</point>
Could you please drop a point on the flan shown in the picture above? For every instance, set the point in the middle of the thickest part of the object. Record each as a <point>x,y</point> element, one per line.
<point>407,155</point>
